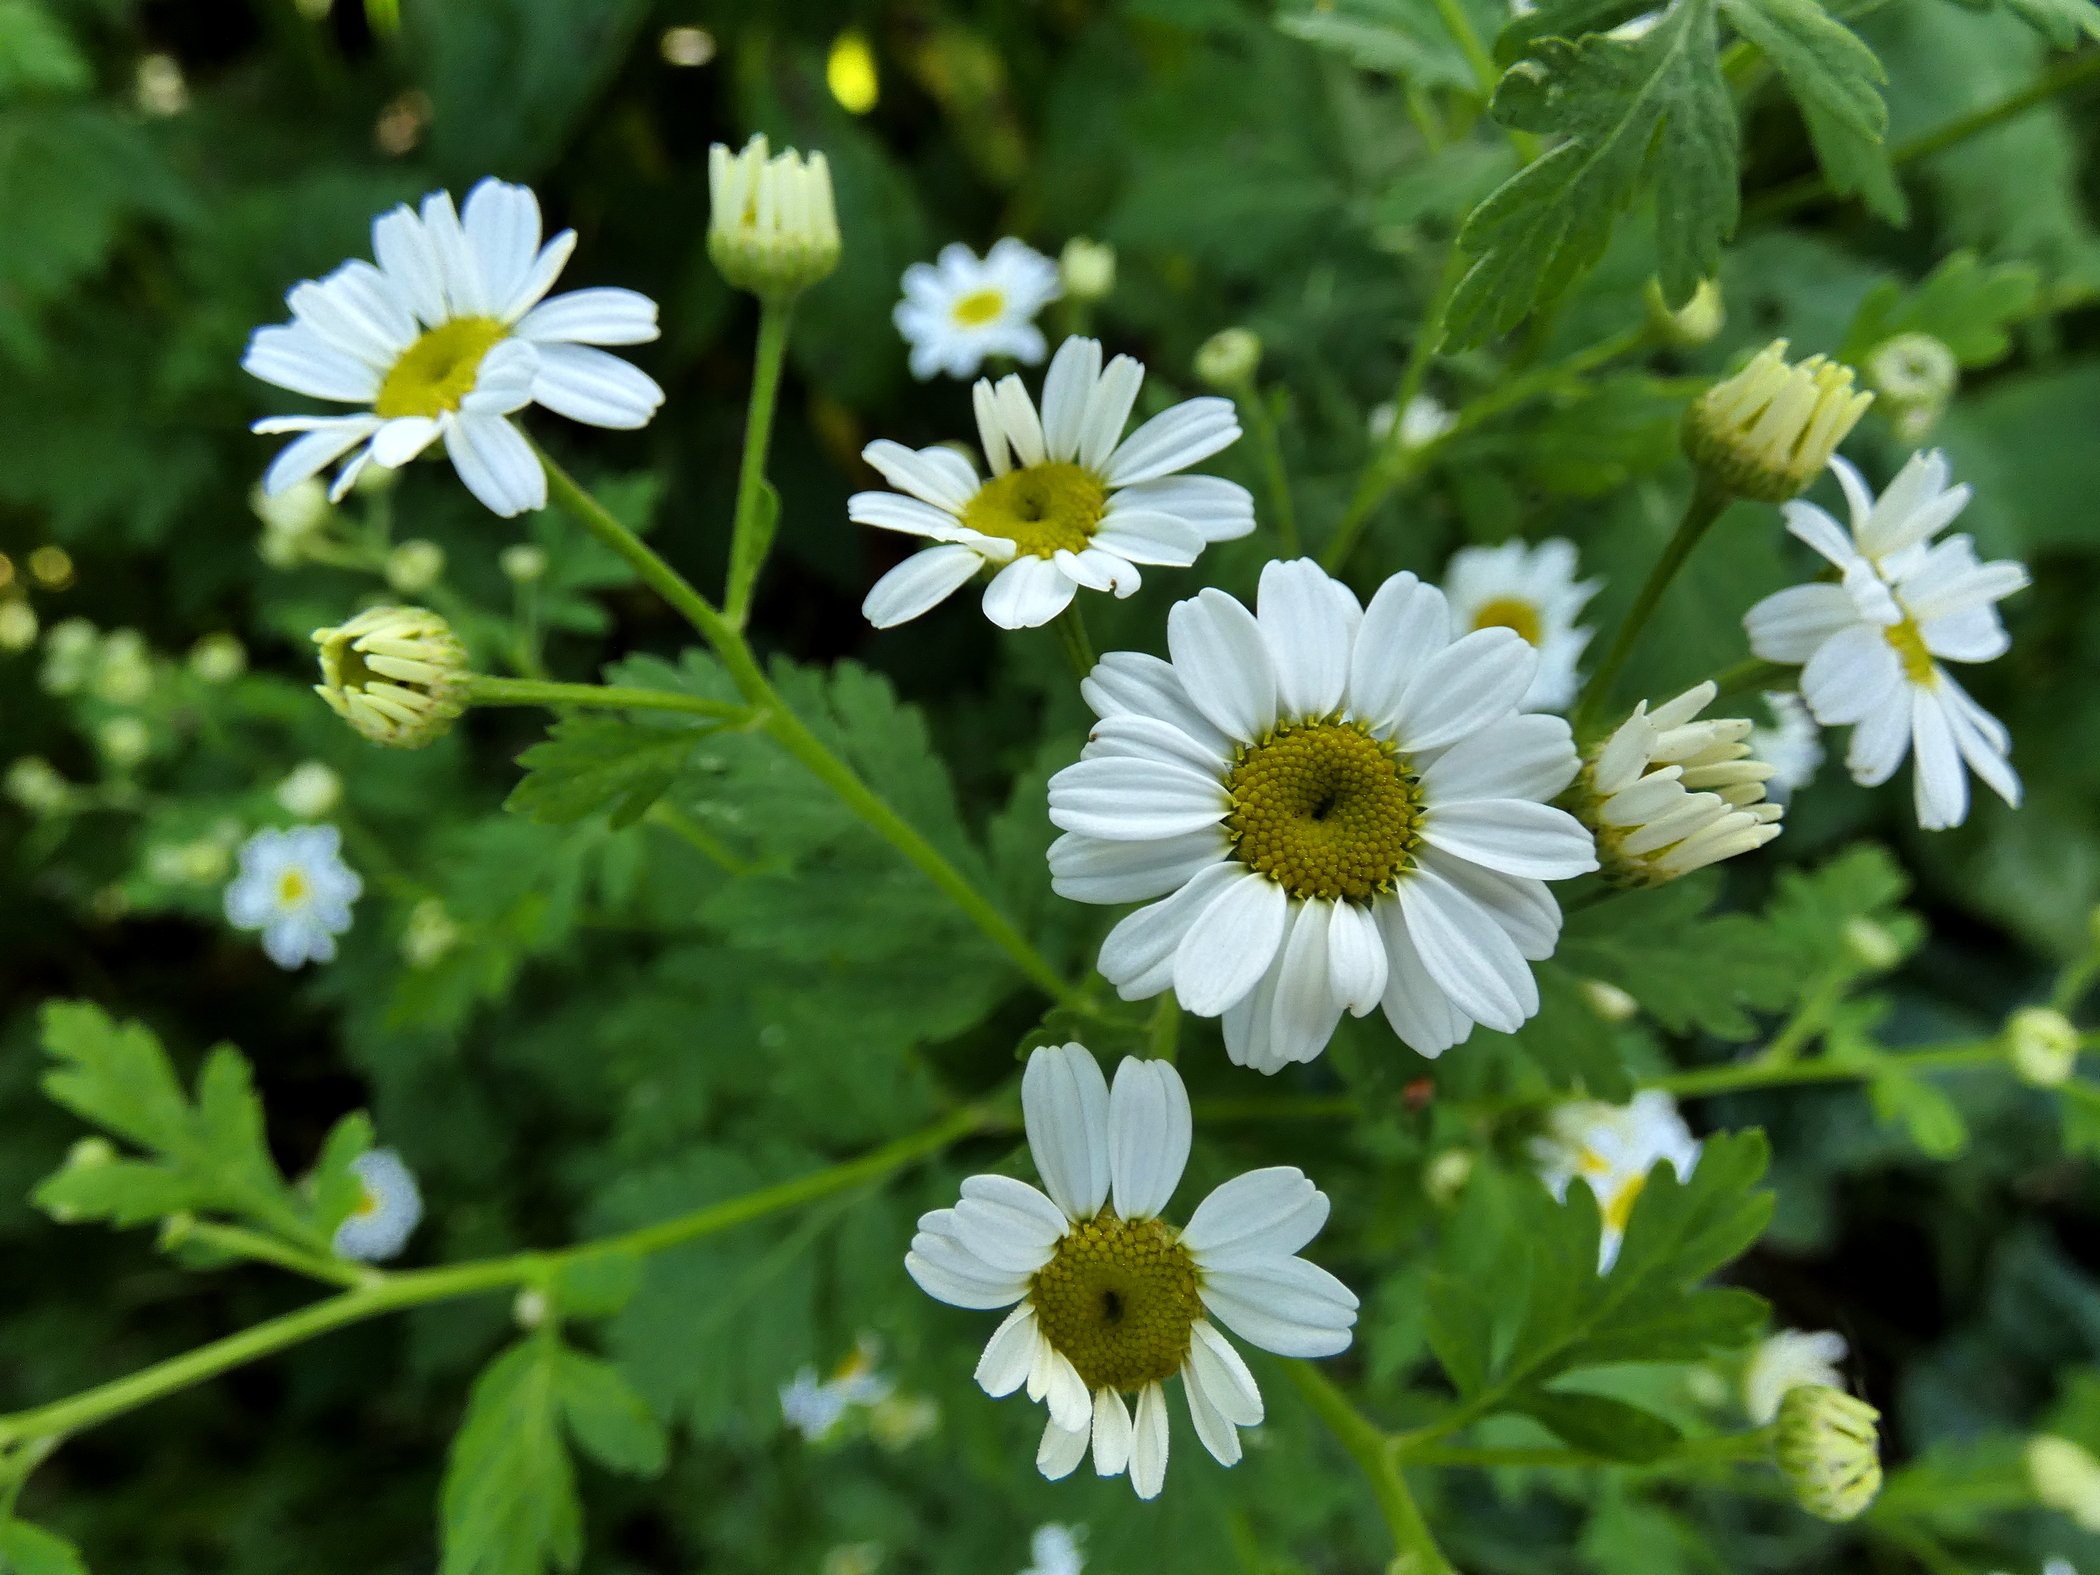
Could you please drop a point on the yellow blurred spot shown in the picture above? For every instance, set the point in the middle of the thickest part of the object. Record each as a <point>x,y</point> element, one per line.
<point>52,567</point>
<point>687,46</point>
<point>401,124</point>
<point>850,73</point>
<point>7,571</point>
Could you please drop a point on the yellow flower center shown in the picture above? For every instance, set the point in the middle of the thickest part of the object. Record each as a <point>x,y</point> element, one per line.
<point>1323,809</point>
<point>367,1204</point>
<point>1512,612</point>
<point>1618,1208</point>
<point>1040,508</point>
<point>292,888</point>
<point>978,308</point>
<point>1918,665</point>
<point>436,372</point>
<point>1117,1300</point>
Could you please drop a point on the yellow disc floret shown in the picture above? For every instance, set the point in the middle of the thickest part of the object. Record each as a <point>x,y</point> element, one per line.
<point>1040,509</point>
<point>978,308</point>
<point>1909,644</point>
<point>1323,809</point>
<point>439,370</point>
<point>1118,1300</point>
<point>1512,612</point>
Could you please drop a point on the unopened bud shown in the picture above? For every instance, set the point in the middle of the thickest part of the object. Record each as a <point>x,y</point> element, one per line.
<point>2042,1045</point>
<point>310,791</point>
<point>1445,1177</point>
<point>1872,946</point>
<point>396,674</point>
<point>529,1310</point>
<point>218,658</point>
<point>1768,432</point>
<point>2066,1478</point>
<point>91,1153</point>
<point>1697,322</point>
<point>415,566</point>
<point>18,624</point>
<point>1229,358</point>
<point>523,562</point>
<point>293,514</point>
<point>35,784</point>
<point>1609,1002</point>
<point>772,226</point>
<point>125,740</point>
<point>1828,1447</point>
<point>1087,269</point>
<point>176,1229</point>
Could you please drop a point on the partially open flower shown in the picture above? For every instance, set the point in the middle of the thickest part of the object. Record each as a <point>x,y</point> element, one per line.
<point>1829,1450</point>
<point>389,1207</point>
<point>396,674</point>
<point>772,227</point>
<point>1767,432</point>
<point>2042,1044</point>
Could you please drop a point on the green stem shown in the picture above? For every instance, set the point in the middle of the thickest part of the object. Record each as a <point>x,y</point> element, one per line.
<point>240,1243</point>
<point>483,690</point>
<point>2070,73</point>
<point>1485,71</point>
<point>756,516</point>
<point>1749,674</point>
<point>1281,510</point>
<point>1414,1548</point>
<point>385,1293</point>
<point>697,837</point>
<point>1072,638</point>
<point>1743,1075</point>
<point>1705,506</point>
<point>1721,1449</point>
<point>793,735</point>
<point>1806,1025</point>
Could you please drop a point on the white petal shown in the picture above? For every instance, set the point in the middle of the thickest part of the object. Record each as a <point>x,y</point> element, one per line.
<point>1111,1434</point>
<point>1137,956</point>
<point>1854,673</point>
<point>1066,386</point>
<point>939,475</point>
<point>922,581</point>
<point>1416,1007</point>
<point>947,1277</point>
<point>1356,964</point>
<point>355,310</point>
<point>595,388</point>
<point>1148,1444</point>
<point>315,451</point>
<point>402,439</point>
<point>1302,1010</point>
<point>1212,1430</point>
<point>503,382</point>
<point>602,315</point>
<point>1476,680</point>
<point>1061,1450</point>
<point>1522,905</point>
<point>1467,953</point>
<point>1064,1106</point>
<point>1310,632</point>
<point>1088,869</point>
<point>1519,757</point>
<point>1149,538</point>
<point>297,358</point>
<point>410,263</point>
<point>1027,594</point>
<point>1939,785</point>
<point>1220,510</point>
<point>1009,1353</point>
<point>1148,1136</point>
<point>502,225</point>
<point>1789,625</point>
<point>1878,745</point>
<point>1405,624</point>
<point>1173,440</point>
<point>1133,683</point>
<point>1148,738</point>
<point>1284,1305</point>
<point>1223,663</point>
<point>1223,1376</point>
<point>1097,569</point>
<point>1512,835</point>
<point>1065,1392</point>
<point>1230,945</point>
<point>1124,799</point>
<point>1269,1213</point>
<point>911,516</point>
<point>497,464</point>
<point>1107,409</point>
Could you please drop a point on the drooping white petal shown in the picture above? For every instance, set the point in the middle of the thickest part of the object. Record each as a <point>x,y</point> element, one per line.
<point>1062,1448</point>
<point>1212,1430</point>
<point>1148,1443</point>
<point>1149,1132</point>
<point>1356,963</point>
<point>1064,1107</point>
<point>1137,956</point>
<point>1027,594</point>
<point>497,464</point>
<point>1009,1354</point>
<point>920,582</point>
<point>1939,784</point>
<point>1471,958</point>
<point>1112,1434</point>
<point>1414,1004</point>
<point>1223,1374</point>
<point>1230,945</point>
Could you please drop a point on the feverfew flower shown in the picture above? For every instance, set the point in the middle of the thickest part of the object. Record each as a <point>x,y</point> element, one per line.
<point>1339,808</point>
<point>772,225</point>
<point>1829,1450</point>
<point>295,888</point>
<point>389,1207</point>
<point>1792,746</point>
<point>1425,420</point>
<point>1786,1360</point>
<point>1532,590</point>
<point>815,1406</point>
<point>1056,1550</point>
<point>446,339</point>
<point>1067,506</point>
<point>1667,794</point>
<point>1873,645</point>
<point>1613,1148</point>
<point>1767,432</point>
<point>959,309</point>
<point>396,674</point>
<point>1114,1301</point>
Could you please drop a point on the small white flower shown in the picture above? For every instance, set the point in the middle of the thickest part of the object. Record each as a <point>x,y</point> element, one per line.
<point>1425,420</point>
<point>1112,1299</point>
<point>295,888</point>
<point>959,309</point>
<point>388,1210</point>
<point>1792,746</point>
<point>1532,590</point>
<point>1056,1550</point>
<point>1340,808</point>
<point>815,1406</point>
<point>1613,1148</point>
<point>447,338</point>
<point>1874,643</point>
<point>1786,1359</point>
<point>1068,507</point>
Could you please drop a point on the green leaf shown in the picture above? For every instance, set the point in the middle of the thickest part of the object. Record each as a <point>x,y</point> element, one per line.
<point>1826,66</point>
<point>1599,1425</point>
<point>31,1550</point>
<point>591,763</point>
<point>1394,36</point>
<point>611,1422</point>
<point>2062,22</point>
<point>509,1503</point>
<point>1634,116</point>
<point>36,55</point>
<point>1688,969</point>
<point>336,1189</point>
<point>596,1284</point>
<point>1965,303</point>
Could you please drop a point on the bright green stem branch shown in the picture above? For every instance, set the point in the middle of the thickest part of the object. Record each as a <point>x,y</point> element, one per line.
<point>239,1243</point>
<point>757,515</point>
<point>386,1293</point>
<point>1722,1449</point>
<point>2078,69</point>
<point>1706,505</point>
<point>790,732</point>
<point>1743,1075</point>
<point>1414,1548</point>
<point>482,690</point>
<point>1282,513</point>
<point>1073,640</point>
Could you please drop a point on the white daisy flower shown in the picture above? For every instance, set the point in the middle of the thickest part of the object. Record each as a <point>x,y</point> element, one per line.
<point>960,309</point>
<point>1786,1360</point>
<point>1792,746</point>
<point>815,1406</point>
<point>1113,1300</point>
<point>1341,809</point>
<point>1067,506</point>
<point>1667,793</point>
<point>387,1212</point>
<point>295,888</point>
<point>447,338</point>
<point>1874,644</point>
<point>1532,590</point>
<point>1613,1148</point>
<point>1056,1550</point>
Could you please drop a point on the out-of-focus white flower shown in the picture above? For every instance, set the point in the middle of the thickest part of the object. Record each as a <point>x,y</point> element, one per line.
<point>69,656</point>
<point>1792,746</point>
<point>1425,420</point>
<point>389,1208</point>
<point>1056,1550</point>
<point>1533,590</point>
<point>960,308</point>
<point>814,1407</point>
<point>1613,1148</point>
<point>310,790</point>
<point>295,888</point>
<point>1786,1359</point>
<point>2043,1046</point>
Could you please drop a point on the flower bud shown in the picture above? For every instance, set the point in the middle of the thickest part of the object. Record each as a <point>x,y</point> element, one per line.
<point>1445,1177</point>
<point>1829,1450</point>
<point>310,791</point>
<point>69,656</point>
<point>1913,369</point>
<point>123,668</point>
<point>414,566</point>
<point>772,226</point>
<point>396,674</point>
<point>293,514</point>
<point>2066,1478</point>
<point>18,624</point>
<point>1609,1002</point>
<point>529,1309</point>
<point>91,1153</point>
<point>1229,358</point>
<point>896,1422</point>
<point>218,658</point>
<point>1699,321</point>
<point>1087,269</point>
<point>523,562</point>
<point>1769,431</point>
<point>2042,1045</point>
<point>176,1229</point>
<point>125,740</point>
<point>1871,945</point>
<point>429,935</point>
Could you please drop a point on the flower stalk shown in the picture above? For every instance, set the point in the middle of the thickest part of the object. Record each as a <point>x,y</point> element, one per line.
<point>757,505</point>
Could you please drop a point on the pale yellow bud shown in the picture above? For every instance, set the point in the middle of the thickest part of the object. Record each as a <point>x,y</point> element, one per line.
<point>1828,1447</point>
<point>2042,1044</point>
<point>773,228</point>
<point>396,674</point>
<point>1768,432</point>
<point>1229,358</point>
<point>1087,269</point>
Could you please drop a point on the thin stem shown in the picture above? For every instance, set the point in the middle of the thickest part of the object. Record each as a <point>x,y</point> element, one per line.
<point>1485,71</point>
<point>1070,628</point>
<point>386,1293</point>
<point>484,690</point>
<point>696,836</point>
<point>1278,486</point>
<point>1414,1548</point>
<point>2070,73</point>
<point>1721,1449</point>
<point>756,518</point>
<point>1705,506</point>
<point>1807,1023</point>
<point>239,1243</point>
<point>1750,673</point>
<point>1744,1075</point>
